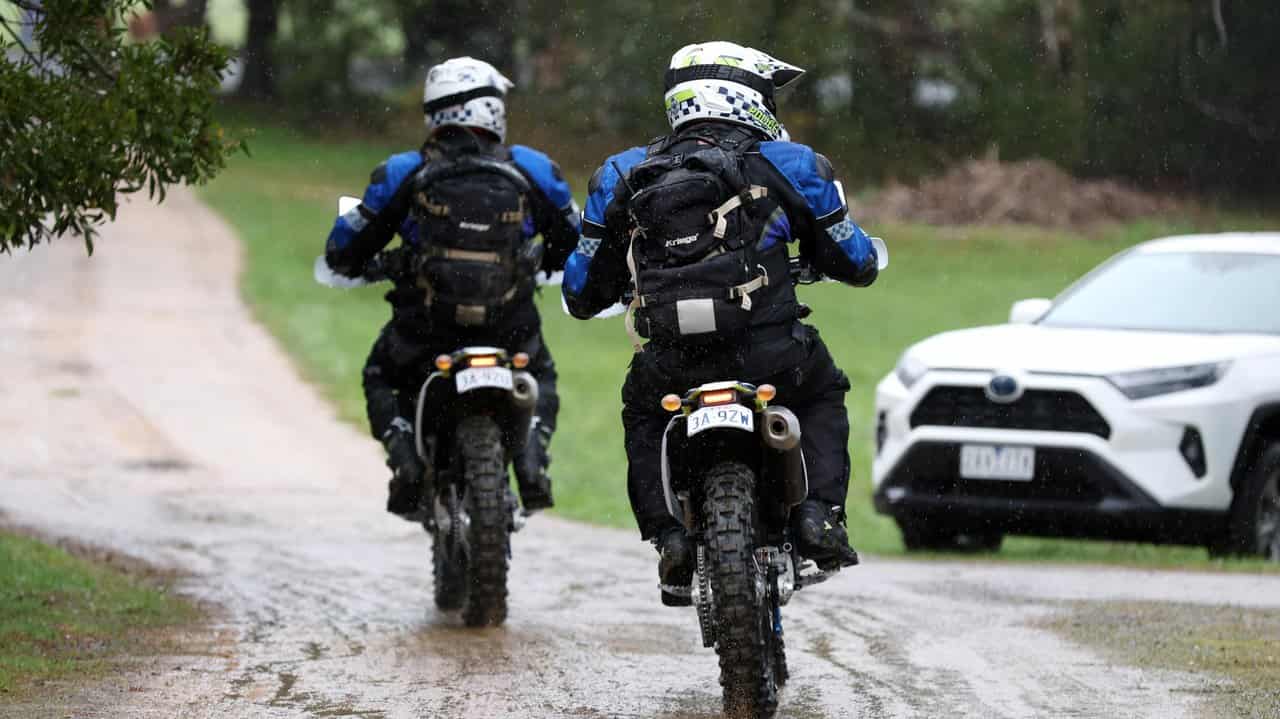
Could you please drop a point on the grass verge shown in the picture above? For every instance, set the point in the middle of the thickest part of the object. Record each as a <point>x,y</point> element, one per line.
<point>282,202</point>
<point>1239,645</point>
<point>62,616</point>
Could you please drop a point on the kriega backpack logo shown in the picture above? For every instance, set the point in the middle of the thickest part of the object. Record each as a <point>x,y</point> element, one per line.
<point>682,241</point>
<point>474,226</point>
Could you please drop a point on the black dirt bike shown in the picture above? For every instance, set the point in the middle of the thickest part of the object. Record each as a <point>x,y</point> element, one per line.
<point>732,469</point>
<point>474,414</point>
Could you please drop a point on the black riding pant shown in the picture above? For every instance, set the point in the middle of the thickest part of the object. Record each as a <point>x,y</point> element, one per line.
<point>403,357</point>
<point>812,387</point>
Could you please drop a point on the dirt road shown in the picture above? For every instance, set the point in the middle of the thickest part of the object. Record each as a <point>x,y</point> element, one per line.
<point>141,408</point>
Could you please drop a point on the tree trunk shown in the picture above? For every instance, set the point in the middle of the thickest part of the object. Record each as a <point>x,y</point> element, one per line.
<point>171,15</point>
<point>259,63</point>
<point>415,23</point>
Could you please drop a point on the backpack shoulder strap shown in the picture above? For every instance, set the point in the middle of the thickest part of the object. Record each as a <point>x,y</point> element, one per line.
<point>658,145</point>
<point>448,167</point>
<point>737,140</point>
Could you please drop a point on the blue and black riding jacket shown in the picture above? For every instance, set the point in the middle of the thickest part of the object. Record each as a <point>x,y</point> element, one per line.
<point>803,203</point>
<point>387,210</point>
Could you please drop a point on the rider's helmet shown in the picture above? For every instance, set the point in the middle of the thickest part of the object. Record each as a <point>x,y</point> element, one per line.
<point>466,92</point>
<point>726,81</point>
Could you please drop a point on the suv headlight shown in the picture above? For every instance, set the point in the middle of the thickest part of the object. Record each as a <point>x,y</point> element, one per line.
<point>909,370</point>
<point>1152,382</point>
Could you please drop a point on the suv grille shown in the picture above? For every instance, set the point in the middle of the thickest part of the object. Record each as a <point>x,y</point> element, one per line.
<point>1061,475</point>
<point>1043,410</point>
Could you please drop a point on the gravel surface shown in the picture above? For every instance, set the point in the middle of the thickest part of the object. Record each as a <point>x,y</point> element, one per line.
<point>141,408</point>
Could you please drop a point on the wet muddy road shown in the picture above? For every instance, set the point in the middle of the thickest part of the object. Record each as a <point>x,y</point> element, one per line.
<point>141,408</point>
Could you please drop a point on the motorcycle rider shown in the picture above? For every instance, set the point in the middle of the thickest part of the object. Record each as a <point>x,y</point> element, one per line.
<point>458,283</point>
<point>710,283</point>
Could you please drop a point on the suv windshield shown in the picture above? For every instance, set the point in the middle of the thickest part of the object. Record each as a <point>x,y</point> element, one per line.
<point>1177,292</point>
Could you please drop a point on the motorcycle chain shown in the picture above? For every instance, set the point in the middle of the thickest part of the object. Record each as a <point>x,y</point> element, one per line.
<point>706,613</point>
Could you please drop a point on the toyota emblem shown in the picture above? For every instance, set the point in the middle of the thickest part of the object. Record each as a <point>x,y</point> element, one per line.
<point>1004,388</point>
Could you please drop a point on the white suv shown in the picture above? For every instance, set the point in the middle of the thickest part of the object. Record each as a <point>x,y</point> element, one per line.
<point>1142,404</point>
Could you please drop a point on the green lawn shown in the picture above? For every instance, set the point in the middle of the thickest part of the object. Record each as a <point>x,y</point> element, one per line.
<point>62,617</point>
<point>282,202</point>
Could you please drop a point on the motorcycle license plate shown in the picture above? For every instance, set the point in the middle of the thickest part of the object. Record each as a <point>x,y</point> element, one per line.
<point>733,415</point>
<point>477,377</point>
<point>985,461</point>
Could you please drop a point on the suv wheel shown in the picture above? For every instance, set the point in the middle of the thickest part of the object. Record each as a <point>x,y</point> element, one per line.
<point>1255,513</point>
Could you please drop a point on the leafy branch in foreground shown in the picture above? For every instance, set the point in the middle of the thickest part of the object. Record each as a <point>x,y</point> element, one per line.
<point>87,115</point>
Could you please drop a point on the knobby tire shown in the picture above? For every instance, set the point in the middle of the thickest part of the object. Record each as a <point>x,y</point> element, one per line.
<point>485,478</point>
<point>748,670</point>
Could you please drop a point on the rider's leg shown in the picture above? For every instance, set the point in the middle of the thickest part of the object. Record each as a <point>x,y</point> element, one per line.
<point>643,423</point>
<point>533,462</point>
<point>389,423</point>
<point>817,398</point>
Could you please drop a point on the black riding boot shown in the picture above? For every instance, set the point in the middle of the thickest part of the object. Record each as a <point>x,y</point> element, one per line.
<point>675,566</point>
<point>408,475</point>
<point>821,535</point>
<point>531,470</point>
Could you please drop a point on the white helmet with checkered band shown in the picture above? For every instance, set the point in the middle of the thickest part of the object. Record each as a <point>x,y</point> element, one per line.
<point>466,92</point>
<point>726,81</point>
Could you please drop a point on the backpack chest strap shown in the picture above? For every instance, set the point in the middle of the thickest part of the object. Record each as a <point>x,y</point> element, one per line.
<point>453,253</point>
<point>745,289</point>
<point>747,196</point>
<point>740,292</point>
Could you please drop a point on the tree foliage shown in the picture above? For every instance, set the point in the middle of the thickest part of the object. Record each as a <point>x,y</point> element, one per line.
<point>1179,91</point>
<point>87,115</point>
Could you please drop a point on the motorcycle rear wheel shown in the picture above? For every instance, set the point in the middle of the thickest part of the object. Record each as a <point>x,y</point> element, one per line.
<point>746,643</point>
<point>488,539</point>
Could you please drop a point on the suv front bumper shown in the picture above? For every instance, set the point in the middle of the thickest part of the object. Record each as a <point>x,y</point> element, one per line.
<point>1075,493</point>
<point>1106,467</point>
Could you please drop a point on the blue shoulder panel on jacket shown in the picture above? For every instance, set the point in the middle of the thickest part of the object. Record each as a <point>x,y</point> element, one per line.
<point>606,179</point>
<point>544,173</point>
<point>799,164</point>
<point>388,177</point>
<point>383,183</point>
<point>600,195</point>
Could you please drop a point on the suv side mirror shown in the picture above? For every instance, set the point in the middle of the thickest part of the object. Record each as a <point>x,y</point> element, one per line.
<point>1025,312</point>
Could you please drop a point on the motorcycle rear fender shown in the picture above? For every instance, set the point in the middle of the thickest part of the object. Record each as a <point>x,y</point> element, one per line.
<point>514,417</point>
<point>744,446</point>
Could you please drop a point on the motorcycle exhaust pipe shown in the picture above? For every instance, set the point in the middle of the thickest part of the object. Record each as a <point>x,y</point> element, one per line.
<point>782,436</point>
<point>781,429</point>
<point>524,399</point>
<point>524,390</point>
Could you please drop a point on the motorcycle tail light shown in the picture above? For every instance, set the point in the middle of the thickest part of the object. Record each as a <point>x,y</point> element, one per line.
<point>520,360</point>
<point>723,396</point>
<point>484,361</point>
<point>444,362</point>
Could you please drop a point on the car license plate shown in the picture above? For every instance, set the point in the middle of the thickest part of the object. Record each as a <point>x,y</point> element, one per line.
<point>477,377</point>
<point>732,415</point>
<point>985,461</point>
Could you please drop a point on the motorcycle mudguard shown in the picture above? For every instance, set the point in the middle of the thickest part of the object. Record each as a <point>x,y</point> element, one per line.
<point>673,503</point>
<point>417,420</point>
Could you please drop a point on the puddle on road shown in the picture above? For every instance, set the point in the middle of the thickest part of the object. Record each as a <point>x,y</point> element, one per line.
<point>157,464</point>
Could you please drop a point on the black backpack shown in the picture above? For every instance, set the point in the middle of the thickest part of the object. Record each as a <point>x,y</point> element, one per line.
<point>475,260</point>
<point>696,222</point>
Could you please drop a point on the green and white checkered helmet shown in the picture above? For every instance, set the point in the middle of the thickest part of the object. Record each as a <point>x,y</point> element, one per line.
<point>726,81</point>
